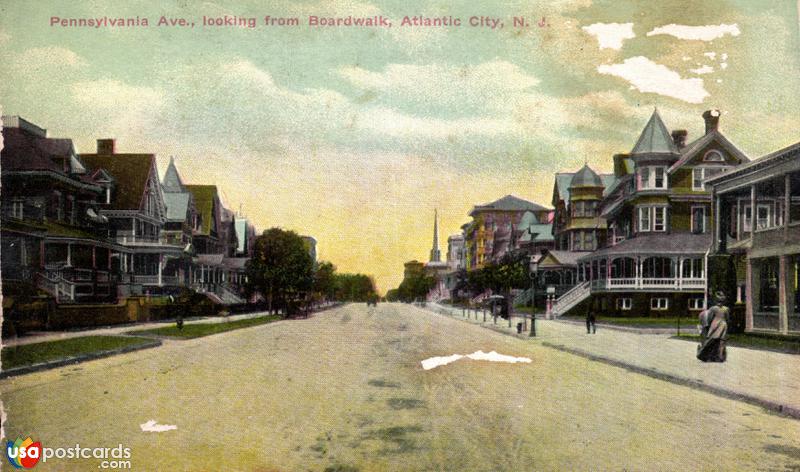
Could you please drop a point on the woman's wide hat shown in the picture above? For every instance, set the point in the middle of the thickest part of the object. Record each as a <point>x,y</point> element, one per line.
<point>720,296</point>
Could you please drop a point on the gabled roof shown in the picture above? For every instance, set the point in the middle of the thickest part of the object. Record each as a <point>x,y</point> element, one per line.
<point>559,258</point>
<point>204,196</point>
<point>655,138</point>
<point>130,171</point>
<point>172,180</point>
<point>508,203</point>
<point>697,145</point>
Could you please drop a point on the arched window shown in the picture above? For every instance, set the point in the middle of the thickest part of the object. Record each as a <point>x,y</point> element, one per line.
<point>713,156</point>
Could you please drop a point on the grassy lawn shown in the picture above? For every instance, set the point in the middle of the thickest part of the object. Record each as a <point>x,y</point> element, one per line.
<point>789,345</point>
<point>197,330</point>
<point>29,354</point>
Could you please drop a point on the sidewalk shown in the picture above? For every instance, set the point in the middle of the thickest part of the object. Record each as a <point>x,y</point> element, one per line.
<point>44,336</point>
<point>767,379</point>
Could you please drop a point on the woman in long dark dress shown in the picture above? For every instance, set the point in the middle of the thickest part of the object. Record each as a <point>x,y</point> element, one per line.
<point>714,323</point>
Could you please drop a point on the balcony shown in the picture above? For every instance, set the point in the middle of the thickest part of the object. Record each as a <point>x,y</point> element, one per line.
<point>142,241</point>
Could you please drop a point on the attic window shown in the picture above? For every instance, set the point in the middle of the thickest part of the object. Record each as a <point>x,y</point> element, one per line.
<point>713,156</point>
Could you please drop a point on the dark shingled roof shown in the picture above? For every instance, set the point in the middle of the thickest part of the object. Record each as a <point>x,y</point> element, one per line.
<point>24,150</point>
<point>204,196</point>
<point>675,243</point>
<point>130,171</point>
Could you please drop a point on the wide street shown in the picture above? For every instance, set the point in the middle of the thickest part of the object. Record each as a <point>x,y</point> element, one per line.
<point>346,388</point>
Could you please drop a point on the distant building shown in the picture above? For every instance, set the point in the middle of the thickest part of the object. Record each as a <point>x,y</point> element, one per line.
<point>311,246</point>
<point>456,252</point>
<point>497,228</point>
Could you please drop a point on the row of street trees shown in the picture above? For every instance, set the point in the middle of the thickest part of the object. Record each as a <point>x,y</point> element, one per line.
<point>284,273</point>
<point>510,272</point>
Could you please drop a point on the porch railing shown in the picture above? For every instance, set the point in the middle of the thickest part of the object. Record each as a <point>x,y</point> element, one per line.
<point>634,283</point>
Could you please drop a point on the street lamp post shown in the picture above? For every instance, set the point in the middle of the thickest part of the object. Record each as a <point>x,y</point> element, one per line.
<point>533,273</point>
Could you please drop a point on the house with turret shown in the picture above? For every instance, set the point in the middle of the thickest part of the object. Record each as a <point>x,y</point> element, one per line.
<point>652,258</point>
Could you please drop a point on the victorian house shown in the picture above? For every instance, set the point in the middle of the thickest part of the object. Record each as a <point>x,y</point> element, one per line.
<point>54,235</point>
<point>137,213</point>
<point>653,259</point>
<point>756,230</point>
<point>216,269</point>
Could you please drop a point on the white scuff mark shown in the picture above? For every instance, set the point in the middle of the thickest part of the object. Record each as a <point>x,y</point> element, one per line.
<point>724,56</point>
<point>723,65</point>
<point>710,55</point>
<point>433,362</point>
<point>493,356</point>
<point>701,33</point>
<point>719,81</point>
<point>611,35</point>
<point>153,427</point>
<point>686,58</point>
<point>702,70</point>
<point>649,76</point>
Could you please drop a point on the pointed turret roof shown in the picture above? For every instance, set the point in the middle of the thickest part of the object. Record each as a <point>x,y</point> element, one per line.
<point>172,180</point>
<point>655,138</point>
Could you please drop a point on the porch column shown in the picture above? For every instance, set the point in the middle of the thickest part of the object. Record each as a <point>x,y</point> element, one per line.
<point>638,271</point>
<point>94,257</point>
<point>159,269</point>
<point>787,201</point>
<point>753,211</point>
<point>679,277</point>
<point>783,294</point>
<point>69,254</point>
<point>716,208</point>
<point>748,291</point>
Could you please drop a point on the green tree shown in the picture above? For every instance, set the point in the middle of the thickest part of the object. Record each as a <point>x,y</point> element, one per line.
<point>281,267</point>
<point>325,280</point>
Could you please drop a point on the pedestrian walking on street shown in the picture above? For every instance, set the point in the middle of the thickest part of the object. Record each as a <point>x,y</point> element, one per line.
<point>591,327</point>
<point>714,331</point>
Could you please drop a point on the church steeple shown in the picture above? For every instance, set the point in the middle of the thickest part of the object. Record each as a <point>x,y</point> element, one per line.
<point>436,255</point>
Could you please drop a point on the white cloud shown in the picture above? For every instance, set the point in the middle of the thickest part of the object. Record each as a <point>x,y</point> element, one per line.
<point>611,35</point>
<point>706,69</point>
<point>648,76</point>
<point>702,33</point>
<point>48,56</point>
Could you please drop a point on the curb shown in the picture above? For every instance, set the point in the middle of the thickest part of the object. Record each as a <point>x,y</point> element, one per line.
<point>29,369</point>
<point>769,405</point>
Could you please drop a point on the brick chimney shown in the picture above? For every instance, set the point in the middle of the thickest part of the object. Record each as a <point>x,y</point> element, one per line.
<point>712,120</point>
<point>105,146</point>
<point>679,138</point>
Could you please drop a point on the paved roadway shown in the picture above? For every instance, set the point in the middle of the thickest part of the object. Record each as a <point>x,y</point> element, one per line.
<point>346,388</point>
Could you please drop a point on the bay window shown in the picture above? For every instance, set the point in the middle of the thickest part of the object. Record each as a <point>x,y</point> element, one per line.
<point>652,218</point>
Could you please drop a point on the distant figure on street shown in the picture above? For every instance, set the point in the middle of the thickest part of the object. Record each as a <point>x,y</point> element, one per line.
<point>591,327</point>
<point>714,331</point>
